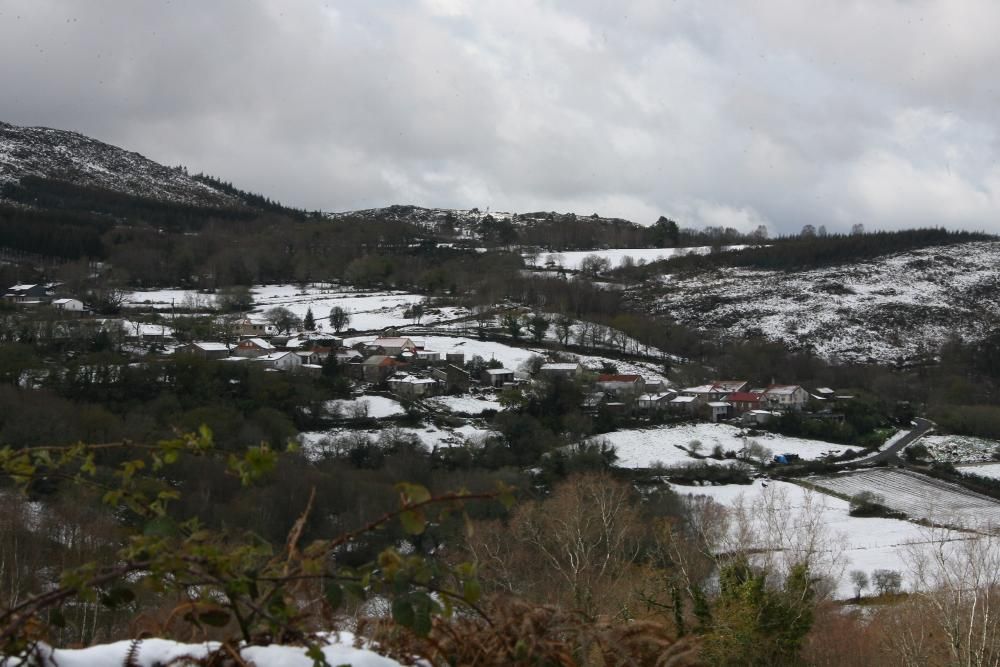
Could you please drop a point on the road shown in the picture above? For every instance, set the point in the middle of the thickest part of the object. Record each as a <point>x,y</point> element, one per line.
<point>891,454</point>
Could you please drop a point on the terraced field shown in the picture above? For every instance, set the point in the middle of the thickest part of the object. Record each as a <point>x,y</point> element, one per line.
<point>919,496</point>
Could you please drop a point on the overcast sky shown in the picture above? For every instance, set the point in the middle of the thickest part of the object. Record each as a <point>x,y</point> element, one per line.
<point>735,113</point>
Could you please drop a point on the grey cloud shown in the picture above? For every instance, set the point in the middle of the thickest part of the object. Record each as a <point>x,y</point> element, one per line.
<point>741,113</point>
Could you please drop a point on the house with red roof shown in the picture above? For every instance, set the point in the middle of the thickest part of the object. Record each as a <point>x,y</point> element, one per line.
<point>622,386</point>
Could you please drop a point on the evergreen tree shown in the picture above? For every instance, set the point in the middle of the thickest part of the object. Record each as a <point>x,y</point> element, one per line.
<point>309,323</point>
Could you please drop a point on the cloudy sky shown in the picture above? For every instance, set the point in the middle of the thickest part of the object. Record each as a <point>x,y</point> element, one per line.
<point>737,113</point>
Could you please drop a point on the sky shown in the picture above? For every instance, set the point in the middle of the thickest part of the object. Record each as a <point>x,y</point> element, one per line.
<point>711,112</point>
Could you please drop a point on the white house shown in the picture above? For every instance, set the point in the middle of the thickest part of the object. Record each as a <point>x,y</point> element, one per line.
<point>497,377</point>
<point>253,347</point>
<point>719,410</point>
<point>69,305</point>
<point>566,370</point>
<point>393,346</point>
<point>785,397</point>
<point>655,402</point>
<point>410,386</point>
<point>280,361</point>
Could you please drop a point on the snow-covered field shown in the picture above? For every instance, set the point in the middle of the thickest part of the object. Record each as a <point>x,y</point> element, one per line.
<point>643,448</point>
<point>470,405</point>
<point>960,448</point>
<point>155,652</point>
<point>376,407</point>
<point>369,310</point>
<point>918,496</point>
<point>891,308</point>
<point>868,544</point>
<point>574,260</point>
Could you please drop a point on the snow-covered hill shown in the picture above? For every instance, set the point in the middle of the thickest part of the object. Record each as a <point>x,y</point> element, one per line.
<point>73,157</point>
<point>892,309</point>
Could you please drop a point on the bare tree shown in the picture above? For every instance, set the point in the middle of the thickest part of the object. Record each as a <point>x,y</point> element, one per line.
<point>860,582</point>
<point>339,318</point>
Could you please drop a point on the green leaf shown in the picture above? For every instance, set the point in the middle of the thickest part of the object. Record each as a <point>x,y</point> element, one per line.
<point>413,522</point>
<point>214,617</point>
<point>334,594</point>
<point>355,590</point>
<point>412,494</point>
<point>403,612</point>
<point>116,597</point>
<point>161,526</point>
<point>471,590</point>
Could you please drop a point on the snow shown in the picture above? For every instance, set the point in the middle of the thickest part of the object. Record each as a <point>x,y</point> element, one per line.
<point>154,652</point>
<point>468,404</point>
<point>888,309</point>
<point>918,496</point>
<point>868,543</point>
<point>960,448</point>
<point>378,407</point>
<point>991,470</point>
<point>573,260</point>
<point>641,448</point>
<point>430,435</point>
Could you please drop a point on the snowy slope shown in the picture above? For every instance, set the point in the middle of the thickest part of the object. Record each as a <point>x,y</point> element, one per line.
<point>68,156</point>
<point>891,309</point>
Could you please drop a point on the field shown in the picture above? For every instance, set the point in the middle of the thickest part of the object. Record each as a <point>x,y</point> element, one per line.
<point>643,448</point>
<point>868,544</point>
<point>918,496</point>
<point>429,435</point>
<point>572,261</point>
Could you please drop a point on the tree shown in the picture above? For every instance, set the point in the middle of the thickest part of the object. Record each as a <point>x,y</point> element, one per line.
<point>282,318</point>
<point>887,582</point>
<point>339,318</point>
<point>564,326</point>
<point>235,299</point>
<point>808,232</point>
<point>860,581</point>
<point>417,312</point>
<point>857,229</point>
<point>539,324</point>
<point>512,323</point>
<point>594,265</point>
<point>309,323</point>
<point>664,233</point>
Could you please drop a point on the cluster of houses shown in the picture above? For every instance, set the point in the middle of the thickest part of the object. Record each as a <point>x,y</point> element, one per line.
<point>411,371</point>
<point>38,294</point>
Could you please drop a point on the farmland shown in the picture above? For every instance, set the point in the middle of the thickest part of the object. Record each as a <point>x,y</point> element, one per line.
<point>918,496</point>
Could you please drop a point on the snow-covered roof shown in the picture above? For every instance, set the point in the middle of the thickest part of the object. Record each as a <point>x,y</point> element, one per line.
<point>61,302</point>
<point>625,379</point>
<point>274,356</point>
<point>824,390</point>
<point>654,397</point>
<point>560,367</point>
<point>22,287</point>
<point>782,389</point>
<point>684,399</point>
<point>260,342</point>
<point>700,389</point>
<point>392,342</point>
<point>499,371</point>
<point>719,404</point>
<point>208,346</point>
<point>411,379</point>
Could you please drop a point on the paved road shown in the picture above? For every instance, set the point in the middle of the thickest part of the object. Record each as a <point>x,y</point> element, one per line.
<point>891,454</point>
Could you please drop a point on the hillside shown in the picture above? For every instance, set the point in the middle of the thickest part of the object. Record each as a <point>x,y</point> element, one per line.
<point>894,309</point>
<point>68,156</point>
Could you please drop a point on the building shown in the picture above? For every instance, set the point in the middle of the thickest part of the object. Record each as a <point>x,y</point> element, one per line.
<point>248,327</point>
<point>253,347</point>
<point>378,367</point>
<point>718,410</point>
<point>743,401</point>
<point>280,361</point>
<point>69,306</point>
<point>455,358</point>
<point>392,347</point>
<point>717,390</point>
<point>655,402</point>
<point>412,387</point>
<point>686,404</point>
<point>497,377</point>
<point>428,356</point>
<point>205,350</point>
<point>22,293</point>
<point>564,370</point>
<point>622,386</point>
<point>785,397</point>
<point>452,378</point>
